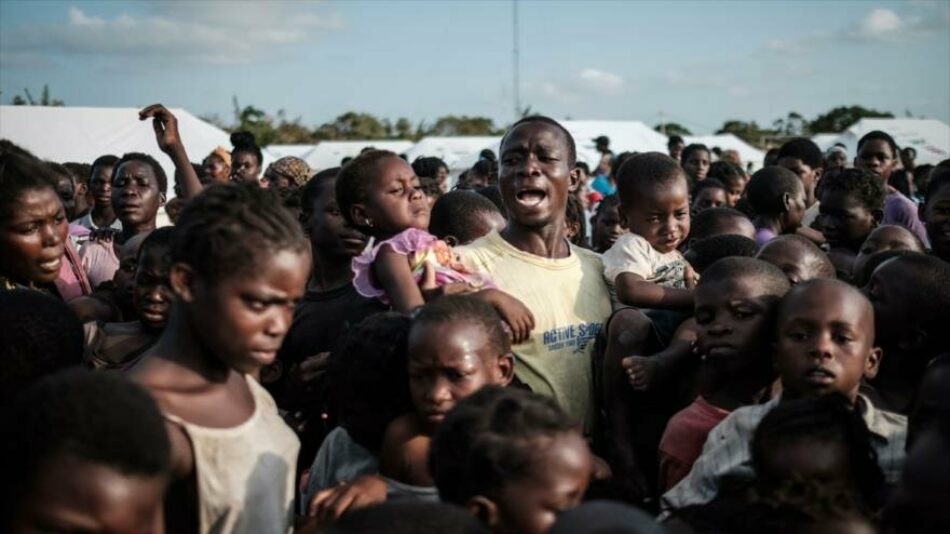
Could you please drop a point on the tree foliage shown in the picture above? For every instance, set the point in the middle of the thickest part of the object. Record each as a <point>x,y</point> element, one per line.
<point>672,128</point>
<point>45,99</point>
<point>841,118</point>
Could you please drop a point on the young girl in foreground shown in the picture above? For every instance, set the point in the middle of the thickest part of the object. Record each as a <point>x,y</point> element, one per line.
<point>239,264</point>
<point>379,194</point>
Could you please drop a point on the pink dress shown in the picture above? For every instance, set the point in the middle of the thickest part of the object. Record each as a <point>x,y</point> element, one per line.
<point>421,247</point>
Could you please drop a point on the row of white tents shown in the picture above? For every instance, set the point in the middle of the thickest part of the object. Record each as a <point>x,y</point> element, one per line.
<point>83,134</point>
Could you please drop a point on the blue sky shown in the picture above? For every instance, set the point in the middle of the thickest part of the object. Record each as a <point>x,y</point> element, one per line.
<point>699,63</point>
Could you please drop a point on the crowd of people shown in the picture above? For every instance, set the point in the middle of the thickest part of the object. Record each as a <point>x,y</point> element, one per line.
<point>650,343</point>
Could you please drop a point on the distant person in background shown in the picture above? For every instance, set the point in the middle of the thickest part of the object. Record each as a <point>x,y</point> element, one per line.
<point>426,167</point>
<point>731,155</point>
<point>602,144</point>
<point>602,176</point>
<point>771,158</point>
<point>695,161</point>
<point>487,154</point>
<point>877,154</point>
<point>675,147</point>
<point>246,158</point>
<point>100,188</point>
<point>65,187</point>
<point>217,166</point>
<point>482,174</point>
<point>286,173</point>
<point>903,178</point>
<point>81,199</point>
<point>836,157</point>
<point>804,158</point>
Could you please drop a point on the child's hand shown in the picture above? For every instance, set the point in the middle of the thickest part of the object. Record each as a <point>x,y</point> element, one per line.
<point>690,276</point>
<point>518,317</point>
<point>641,371</point>
<point>165,125</point>
<point>331,503</point>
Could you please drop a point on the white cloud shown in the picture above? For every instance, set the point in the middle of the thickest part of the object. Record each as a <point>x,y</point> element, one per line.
<point>879,24</point>
<point>198,32</point>
<point>601,81</point>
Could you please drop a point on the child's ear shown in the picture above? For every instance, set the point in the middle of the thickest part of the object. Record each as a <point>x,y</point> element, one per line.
<point>506,368</point>
<point>359,215</point>
<point>787,201</point>
<point>485,510</point>
<point>181,278</point>
<point>451,240</point>
<point>873,363</point>
<point>878,216</point>
<point>575,177</point>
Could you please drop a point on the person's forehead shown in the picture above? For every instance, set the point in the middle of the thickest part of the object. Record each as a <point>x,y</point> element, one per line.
<point>538,132</point>
<point>791,162</point>
<point>829,304</point>
<point>741,286</point>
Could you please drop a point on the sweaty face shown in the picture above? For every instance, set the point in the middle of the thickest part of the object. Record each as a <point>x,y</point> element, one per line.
<point>100,184</point>
<point>937,220</point>
<point>448,362</point>
<point>732,319</point>
<point>395,201</point>
<point>697,165</point>
<point>245,167</point>
<point>825,341</point>
<point>808,175</point>
<point>135,194</point>
<point>555,483</point>
<point>877,158</point>
<point>33,238</point>
<point>659,214</point>
<point>710,197</point>
<point>330,236</point>
<point>607,228</point>
<point>845,221</point>
<point>216,169</point>
<point>77,496</point>
<point>244,318</point>
<point>792,258</point>
<point>152,295</point>
<point>535,175</point>
<point>795,213</point>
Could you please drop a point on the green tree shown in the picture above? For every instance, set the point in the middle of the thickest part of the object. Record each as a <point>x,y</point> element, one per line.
<point>403,129</point>
<point>351,126</point>
<point>672,128</point>
<point>841,118</point>
<point>451,125</point>
<point>45,99</point>
<point>750,132</point>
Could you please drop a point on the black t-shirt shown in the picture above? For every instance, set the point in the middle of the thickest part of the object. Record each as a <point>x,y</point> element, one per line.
<point>320,321</point>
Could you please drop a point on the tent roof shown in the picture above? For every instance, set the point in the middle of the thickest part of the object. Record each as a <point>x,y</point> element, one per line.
<point>454,151</point>
<point>327,154</point>
<point>930,137</point>
<point>825,140</point>
<point>83,134</point>
<point>728,141</point>
<point>297,151</point>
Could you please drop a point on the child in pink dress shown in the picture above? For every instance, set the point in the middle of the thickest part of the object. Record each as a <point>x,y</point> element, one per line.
<point>379,194</point>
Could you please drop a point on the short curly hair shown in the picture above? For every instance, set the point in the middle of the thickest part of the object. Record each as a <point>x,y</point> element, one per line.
<point>857,183</point>
<point>226,229</point>
<point>352,183</point>
<point>491,438</point>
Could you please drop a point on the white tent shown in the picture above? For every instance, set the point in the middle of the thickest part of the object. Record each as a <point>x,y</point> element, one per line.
<point>728,141</point>
<point>625,136</point>
<point>297,151</point>
<point>83,134</point>
<point>930,137</point>
<point>459,153</point>
<point>825,140</point>
<point>327,154</point>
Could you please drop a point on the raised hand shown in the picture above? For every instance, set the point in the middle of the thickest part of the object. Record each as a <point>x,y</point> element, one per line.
<point>165,125</point>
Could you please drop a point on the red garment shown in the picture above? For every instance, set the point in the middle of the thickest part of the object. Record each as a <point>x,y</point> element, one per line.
<point>683,440</point>
<point>72,281</point>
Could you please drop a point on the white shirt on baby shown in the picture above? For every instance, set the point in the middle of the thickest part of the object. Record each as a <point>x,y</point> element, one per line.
<point>632,253</point>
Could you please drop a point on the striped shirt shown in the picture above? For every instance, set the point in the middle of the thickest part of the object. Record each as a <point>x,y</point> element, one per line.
<point>728,453</point>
